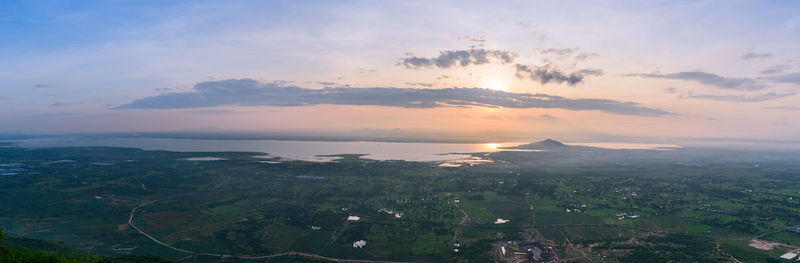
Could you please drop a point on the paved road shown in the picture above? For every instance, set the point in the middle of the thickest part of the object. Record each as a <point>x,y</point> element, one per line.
<point>466,216</point>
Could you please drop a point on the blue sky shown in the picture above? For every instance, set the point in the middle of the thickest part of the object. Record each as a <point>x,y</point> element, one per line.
<point>72,66</point>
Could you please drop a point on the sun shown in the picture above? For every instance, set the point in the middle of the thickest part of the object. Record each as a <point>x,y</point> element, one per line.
<point>491,146</point>
<point>494,84</point>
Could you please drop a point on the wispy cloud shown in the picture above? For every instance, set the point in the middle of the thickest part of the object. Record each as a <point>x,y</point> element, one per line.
<point>793,78</point>
<point>776,69</point>
<point>472,39</point>
<point>423,84</point>
<point>366,70</point>
<point>463,58</point>
<point>248,92</point>
<point>563,52</point>
<point>754,55</point>
<point>537,118</point>
<point>533,33</point>
<point>551,74</point>
<point>784,108</point>
<point>217,111</point>
<point>709,79</point>
<point>566,53</point>
<point>41,86</point>
<point>743,98</point>
<point>585,56</point>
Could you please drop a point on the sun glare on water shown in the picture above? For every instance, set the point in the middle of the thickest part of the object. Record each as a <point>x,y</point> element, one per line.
<point>491,146</point>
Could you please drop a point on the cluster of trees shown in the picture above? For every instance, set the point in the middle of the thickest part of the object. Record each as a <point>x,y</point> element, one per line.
<point>14,250</point>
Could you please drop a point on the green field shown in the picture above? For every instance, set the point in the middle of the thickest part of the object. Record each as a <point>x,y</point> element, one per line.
<point>609,207</point>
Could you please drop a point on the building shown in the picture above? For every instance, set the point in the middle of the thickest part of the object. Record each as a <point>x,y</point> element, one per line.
<point>789,256</point>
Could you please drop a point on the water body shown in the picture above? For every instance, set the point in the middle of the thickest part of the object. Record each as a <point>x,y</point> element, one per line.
<point>294,150</point>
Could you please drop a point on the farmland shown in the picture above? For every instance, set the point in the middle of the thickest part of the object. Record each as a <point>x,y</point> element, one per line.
<point>606,205</point>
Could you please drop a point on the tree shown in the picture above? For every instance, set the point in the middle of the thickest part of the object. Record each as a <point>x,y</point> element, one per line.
<point>3,250</point>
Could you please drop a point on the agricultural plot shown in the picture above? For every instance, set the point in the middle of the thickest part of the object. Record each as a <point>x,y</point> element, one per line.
<point>607,208</point>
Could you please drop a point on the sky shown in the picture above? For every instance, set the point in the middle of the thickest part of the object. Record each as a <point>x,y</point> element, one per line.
<point>509,71</point>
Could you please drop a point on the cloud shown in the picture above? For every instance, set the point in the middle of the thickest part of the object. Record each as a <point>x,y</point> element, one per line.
<point>538,118</point>
<point>366,70</point>
<point>248,92</point>
<point>785,108</point>
<point>671,90</point>
<point>58,103</point>
<point>754,55</point>
<point>563,52</point>
<point>708,79</point>
<point>41,86</point>
<point>423,84</point>
<point>217,111</point>
<point>775,69</point>
<point>786,78</point>
<point>591,72</point>
<point>548,117</point>
<point>535,34</point>
<point>57,114</point>
<point>469,38</point>
<point>549,73</point>
<point>585,56</point>
<point>743,98</point>
<point>463,58</point>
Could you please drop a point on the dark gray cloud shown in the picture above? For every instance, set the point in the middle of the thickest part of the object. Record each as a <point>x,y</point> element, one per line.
<point>793,78</point>
<point>743,98</point>
<point>754,55</point>
<point>463,58</point>
<point>248,92</point>
<point>671,90</point>
<point>551,74</point>
<point>776,69</point>
<point>708,79</point>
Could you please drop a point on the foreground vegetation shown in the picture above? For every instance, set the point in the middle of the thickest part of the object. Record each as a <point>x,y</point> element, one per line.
<point>585,204</point>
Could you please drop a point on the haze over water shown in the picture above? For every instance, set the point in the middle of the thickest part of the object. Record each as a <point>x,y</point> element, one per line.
<point>302,150</point>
